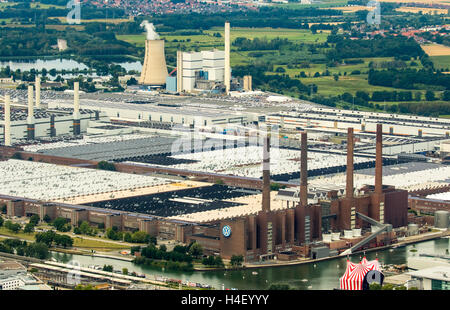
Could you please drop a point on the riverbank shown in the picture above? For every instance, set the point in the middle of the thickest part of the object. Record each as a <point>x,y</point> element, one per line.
<point>79,252</point>
<point>257,265</point>
<point>406,241</point>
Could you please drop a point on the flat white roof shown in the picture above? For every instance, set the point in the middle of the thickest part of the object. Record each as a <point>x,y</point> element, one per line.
<point>49,182</point>
<point>435,273</point>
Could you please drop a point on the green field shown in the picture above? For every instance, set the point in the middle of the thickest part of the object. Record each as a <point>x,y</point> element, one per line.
<point>21,235</point>
<point>441,62</point>
<point>4,5</point>
<point>97,244</point>
<point>207,40</point>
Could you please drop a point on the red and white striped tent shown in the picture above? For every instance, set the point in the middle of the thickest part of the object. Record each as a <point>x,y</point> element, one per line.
<point>354,274</point>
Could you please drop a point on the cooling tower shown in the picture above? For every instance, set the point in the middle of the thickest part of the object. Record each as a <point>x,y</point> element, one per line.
<point>154,71</point>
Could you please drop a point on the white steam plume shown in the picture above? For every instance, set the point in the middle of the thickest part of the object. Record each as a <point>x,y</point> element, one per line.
<point>151,33</point>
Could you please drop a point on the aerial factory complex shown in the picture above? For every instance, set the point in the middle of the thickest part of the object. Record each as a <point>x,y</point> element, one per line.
<point>244,172</point>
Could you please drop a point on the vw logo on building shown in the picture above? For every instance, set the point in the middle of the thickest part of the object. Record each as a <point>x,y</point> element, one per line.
<point>226,231</point>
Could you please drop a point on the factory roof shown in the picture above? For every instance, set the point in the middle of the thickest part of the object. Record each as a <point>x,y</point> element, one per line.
<point>434,273</point>
<point>248,205</point>
<point>49,182</point>
<point>440,196</point>
<point>182,108</point>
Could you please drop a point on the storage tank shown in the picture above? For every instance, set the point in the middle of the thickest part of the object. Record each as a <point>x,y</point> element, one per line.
<point>413,229</point>
<point>326,237</point>
<point>348,234</point>
<point>335,236</point>
<point>357,232</point>
<point>441,219</point>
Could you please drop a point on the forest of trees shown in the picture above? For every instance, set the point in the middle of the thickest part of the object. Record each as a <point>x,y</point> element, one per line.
<point>272,82</point>
<point>35,42</point>
<point>408,78</point>
<point>378,47</point>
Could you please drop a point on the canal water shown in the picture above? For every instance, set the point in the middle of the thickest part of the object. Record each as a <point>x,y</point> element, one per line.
<point>322,275</point>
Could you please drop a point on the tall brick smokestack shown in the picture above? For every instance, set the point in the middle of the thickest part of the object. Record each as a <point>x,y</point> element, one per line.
<point>350,146</point>
<point>266,175</point>
<point>304,170</point>
<point>379,160</point>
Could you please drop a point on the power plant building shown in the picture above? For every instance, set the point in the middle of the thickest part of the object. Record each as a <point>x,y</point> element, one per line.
<point>200,66</point>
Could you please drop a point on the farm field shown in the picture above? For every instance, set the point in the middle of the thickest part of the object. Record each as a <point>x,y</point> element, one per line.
<point>441,62</point>
<point>207,39</point>
<point>352,9</point>
<point>436,49</point>
<point>327,86</point>
<point>418,1</point>
<point>423,10</point>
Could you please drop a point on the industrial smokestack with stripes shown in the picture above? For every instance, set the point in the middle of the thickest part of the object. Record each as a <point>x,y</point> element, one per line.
<point>304,170</point>
<point>76,109</point>
<point>30,118</point>
<point>227,73</point>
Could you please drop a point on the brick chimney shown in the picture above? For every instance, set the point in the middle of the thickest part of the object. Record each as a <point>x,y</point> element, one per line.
<point>379,160</point>
<point>266,175</point>
<point>350,142</point>
<point>304,170</point>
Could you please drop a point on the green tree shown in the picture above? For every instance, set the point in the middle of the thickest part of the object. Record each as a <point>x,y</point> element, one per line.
<point>108,268</point>
<point>34,219</point>
<point>45,237</point>
<point>195,250</point>
<point>1,221</point>
<point>279,287</point>
<point>60,224</point>
<point>37,250</point>
<point>236,260</point>
<point>387,287</point>
<point>374,287</point>
<point>29,228</point>
<point>429,95</point>
<point>208,261</point>
<point>140,237</point>
<point>47,218</point>
<point>104,165</point>
<point>125,271</point>
<point>218,261</point>
<point>14,227</point>
<point>127,237</point>
<point>85,228</point>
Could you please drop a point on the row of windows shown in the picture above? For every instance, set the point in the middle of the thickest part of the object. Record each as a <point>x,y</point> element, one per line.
<point>171,119</point>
